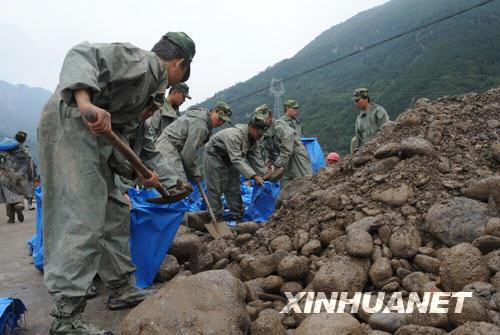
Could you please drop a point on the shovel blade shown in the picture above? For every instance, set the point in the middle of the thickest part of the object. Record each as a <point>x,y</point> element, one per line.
<point>218,229</point>
<point>170,199</point>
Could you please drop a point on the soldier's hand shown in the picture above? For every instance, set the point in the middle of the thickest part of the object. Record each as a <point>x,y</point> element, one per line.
<point>258,180</point>
<point>102,123</point>
<point>127,200</point>
<point>150,182</point>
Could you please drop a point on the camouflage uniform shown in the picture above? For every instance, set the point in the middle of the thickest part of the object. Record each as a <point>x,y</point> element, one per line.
<point>295,124</point>
<point>180,141</point>
<point>369,121</point>
<point>86,220</point>
<point>228,154</point>
<point>18,163</point>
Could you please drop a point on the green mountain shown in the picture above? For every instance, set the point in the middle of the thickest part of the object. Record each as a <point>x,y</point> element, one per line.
<point>452,57</point>
<point>20,108</point>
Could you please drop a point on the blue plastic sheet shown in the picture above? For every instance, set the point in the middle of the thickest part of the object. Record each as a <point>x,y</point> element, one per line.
<point>11,311</point>
<point>36,242</point>
<point>315,153</point>
<point>262,202</point>
<point>8,143</point>
<point>152,230</point>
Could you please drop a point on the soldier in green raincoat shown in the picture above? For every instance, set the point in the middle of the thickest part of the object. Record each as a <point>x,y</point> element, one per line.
<point>168,110</point>
<point>291,116</point>
<point>86,220</point>
<point>285,150</point>
<point>228,154</point>
<point>180,141</point>
<point>370,120</point>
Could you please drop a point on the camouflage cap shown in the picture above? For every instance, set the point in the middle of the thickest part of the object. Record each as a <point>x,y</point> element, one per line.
<point>262,111</point>
<point>360,93</point>
<point>259,122</point>
<point>224,111</point>
<point>183,41</point>
<point>291,103</point>
<point>182,87</point>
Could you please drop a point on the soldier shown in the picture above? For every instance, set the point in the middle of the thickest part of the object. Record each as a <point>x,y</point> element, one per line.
<point>17,162</point>
<point>292,116</point>
<point>86,220</point>
<point>229,153</point>
<point>180,141</point>
<point>267,149</point>
<point>285,150</point>
<point>371,118</point>
<point>168,110</point>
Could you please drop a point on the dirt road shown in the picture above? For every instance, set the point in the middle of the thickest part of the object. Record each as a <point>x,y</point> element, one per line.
<point>20,279</point>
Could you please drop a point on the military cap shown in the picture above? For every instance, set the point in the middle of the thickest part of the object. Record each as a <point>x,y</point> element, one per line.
<point>360,93</point>
<point>262,111</point>
<point>183,41</point>
<point>224,111</point>
<point>182,87</point>
<point>291,103</point>
<point>259,122</point>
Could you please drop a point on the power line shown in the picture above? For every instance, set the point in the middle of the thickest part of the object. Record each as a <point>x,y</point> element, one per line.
<point>371,46</point>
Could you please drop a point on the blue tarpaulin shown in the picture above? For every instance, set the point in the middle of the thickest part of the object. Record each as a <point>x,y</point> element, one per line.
<point>315,153</point>
<point>35,245</point>
<point>11,311</point>
<point>7,143</point>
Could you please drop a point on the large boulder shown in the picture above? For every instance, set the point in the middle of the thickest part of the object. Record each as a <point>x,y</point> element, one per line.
<point>211,302</point>
<point>327,324</point>
<point>457,221</point>
<point>413,146</point>
<point>262,266</point>
<point>405,241</point>
<point>342,274</point>
<point>464,265</point>
<point>293,267</point>
<point>359,243</point>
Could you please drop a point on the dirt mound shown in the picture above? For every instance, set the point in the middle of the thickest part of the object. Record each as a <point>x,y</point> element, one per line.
<point>402,214</point>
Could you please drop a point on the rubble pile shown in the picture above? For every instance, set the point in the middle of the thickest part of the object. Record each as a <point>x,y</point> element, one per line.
<point>417,209</point>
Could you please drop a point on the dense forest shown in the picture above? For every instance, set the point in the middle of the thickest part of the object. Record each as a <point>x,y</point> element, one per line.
<point>452,57</point>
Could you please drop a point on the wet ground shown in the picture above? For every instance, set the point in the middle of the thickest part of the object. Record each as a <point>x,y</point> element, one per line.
<point>20,279</point>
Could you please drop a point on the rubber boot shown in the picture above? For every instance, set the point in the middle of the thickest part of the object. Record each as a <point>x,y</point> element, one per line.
<point>18,208</point>
<point>127,296</point>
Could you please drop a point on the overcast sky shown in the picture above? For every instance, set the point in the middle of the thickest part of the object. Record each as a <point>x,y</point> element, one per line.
<point>234,39</point>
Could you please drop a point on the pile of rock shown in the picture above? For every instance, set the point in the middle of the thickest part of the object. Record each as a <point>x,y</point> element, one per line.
<point>417,209</point>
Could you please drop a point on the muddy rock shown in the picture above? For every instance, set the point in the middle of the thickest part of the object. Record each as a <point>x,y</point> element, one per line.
<point>327,324</point>
<point>272,284</point>
<point>293,267</point>
<point>413,146</point>
<point>328,235</point>
<point>168,269</point>
<point>464,265</point>
<point>359,243</point>
<point>249,227</point>
<point>389,322</point>
<point>476,328</point>
<point>396,196</point>
<point>437,320</point>
<point>184,245</point>
<point>383,166</point>
<point>487,243</point>
<point>415,282</point>
<point>405,241</point>
<point>312,247</point>
<point>484,189</point>
<point>380,271</point>
<point>419,330</point>
<point>214,301</point>
<point>201,260</point>
<point>493,261</point>
<point>495,152</point>
<point>388,150</point>
<point>457,221</point>
<point>282,242</point>
<point>292,286</point>
<point>493,227</point>
<point>366,224</point>
<point>342,274</point>
<point>255,267</point>
<point>427,263</point>
<point>267,325</point>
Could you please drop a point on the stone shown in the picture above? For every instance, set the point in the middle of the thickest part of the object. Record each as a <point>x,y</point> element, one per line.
<point>342,274</point>
<point>388,150</point>
<point>242,238</point>
<point>380,271</point>
<point>476,328</point>
<point>249,227</point>
<point>394,196</point>
<point>493,227</point>
<point>437,320</point>
<point>292,286</point>
<point>473,310</point>
<point>457,221</point>
<point>168,269</point>
<point>464,265</point>
<point>272,284</point>
<point>300,238</point>
<point>366,224</point>
<point>415,282</point>
<point>327,324</point>
<point>389,322</point>
<point>495,152</point>
<point>328,235</point>
<point>313,247</point>
<point>359,243</point>
<point>487,243</point>
<point>184,245</point>
<point>383,166</point>
<point>495,281</point>
<point>282,242</point>
<point>255,267</point>
<point>220,264</point>
<point>413,146</point>
<point>427,263</point>
<point>405,241</point>
<point>201,260</point>
<point>419,330</point>
<point>267,324</point>
<point>210,302</point>
<point>253,289</point>
<point>293,267</point>
<point>484,189</point>
<point>493,261</point>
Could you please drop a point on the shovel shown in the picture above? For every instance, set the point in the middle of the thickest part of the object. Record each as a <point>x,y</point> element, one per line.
<point>215,228</point>
<point>140,168</point>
